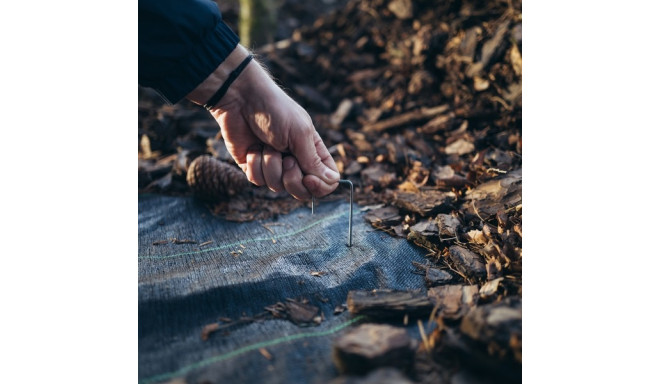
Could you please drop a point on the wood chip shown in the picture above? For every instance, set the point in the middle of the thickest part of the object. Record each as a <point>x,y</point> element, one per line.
<point>497,194</point>
<point>383,216</point>
<point>437,276</point>
<point>340,114</point>
<point>209,329</point>
<point>264,352</point>
<point>299,312</point>
<point>447,224</point>
<point>467,262</point>
<point>339,309</point>
<point>402,9</point>
<point>490,288</point>
<point>453,301</point>
<point>370,346</point>
<point>388,303</point>
<point>496,325</point>
<point>427,228</point>
<point>459,147</point>
<point>379,175</point>
<point>183,241</point>
<point>425,203</point>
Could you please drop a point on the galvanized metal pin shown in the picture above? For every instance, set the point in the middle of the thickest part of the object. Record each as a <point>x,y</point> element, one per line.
<point>350,217</point>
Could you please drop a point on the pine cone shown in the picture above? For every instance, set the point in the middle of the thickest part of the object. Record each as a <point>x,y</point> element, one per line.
<point>210,179</point>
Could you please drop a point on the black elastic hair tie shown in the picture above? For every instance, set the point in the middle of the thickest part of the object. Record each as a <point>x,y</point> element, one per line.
<point>232,76</point>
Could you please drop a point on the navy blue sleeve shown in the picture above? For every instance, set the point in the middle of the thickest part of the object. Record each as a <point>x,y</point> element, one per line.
<point>180,43</point>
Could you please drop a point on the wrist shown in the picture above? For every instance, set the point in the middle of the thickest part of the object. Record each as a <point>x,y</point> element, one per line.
<point>251,92</point>
<point>204,91</point>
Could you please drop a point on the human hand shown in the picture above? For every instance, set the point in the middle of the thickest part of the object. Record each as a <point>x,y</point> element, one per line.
<point>259,123</point>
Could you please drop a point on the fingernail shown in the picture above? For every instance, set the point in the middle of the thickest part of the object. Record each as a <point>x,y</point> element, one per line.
<point>331,175</point>
<point>287,163</point>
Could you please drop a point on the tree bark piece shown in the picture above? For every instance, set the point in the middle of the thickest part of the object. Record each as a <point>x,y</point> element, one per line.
<point>453,301</point>
<point>426,202</point>
<point>447,224</point>
<point>489,289</point>
<point>378,175</point>
<point>301,313</point>
<point>467,261</point>
<point>405,118</point>
<point>402,9</point>
<point>383,216</point>
<point>370,346</point>
<point>388,303</point>
<point>437,276</point>
<point>498,325</point>
<point>494,195</point>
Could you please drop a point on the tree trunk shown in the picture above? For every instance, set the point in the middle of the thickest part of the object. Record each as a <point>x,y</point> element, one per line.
<point>257,24</point>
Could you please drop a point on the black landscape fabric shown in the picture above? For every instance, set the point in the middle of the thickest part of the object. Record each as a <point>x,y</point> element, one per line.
<point>198,270</point>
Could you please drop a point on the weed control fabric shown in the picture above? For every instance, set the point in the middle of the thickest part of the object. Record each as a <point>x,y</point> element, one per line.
<point>197,270</point>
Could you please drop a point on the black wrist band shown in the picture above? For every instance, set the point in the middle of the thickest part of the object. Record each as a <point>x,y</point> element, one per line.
<point>232,76</point>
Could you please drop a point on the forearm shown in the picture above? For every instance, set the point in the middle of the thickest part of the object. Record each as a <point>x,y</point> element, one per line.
<point>180,43</point>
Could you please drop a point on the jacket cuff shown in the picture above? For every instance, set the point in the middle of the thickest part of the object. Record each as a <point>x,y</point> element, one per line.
<point>200,63</point>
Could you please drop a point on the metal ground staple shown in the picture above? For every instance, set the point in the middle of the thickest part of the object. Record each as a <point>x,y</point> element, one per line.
<point>350,217</point>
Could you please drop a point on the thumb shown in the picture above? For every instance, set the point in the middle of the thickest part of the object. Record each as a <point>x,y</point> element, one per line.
<point>313,156</point>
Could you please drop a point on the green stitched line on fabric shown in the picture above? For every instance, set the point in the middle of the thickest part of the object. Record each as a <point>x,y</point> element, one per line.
<point>247,348</point>
<point>276,237</point>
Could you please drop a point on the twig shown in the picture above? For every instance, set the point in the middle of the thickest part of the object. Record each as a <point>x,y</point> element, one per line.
<point>270,230</point>
<point>457,271</point>
<point>477,212</point>
<point>384,229</point>
<point>184,241</point>
<point>405,118</point>
<point>264,352</point>
<point>502,102</point>
<point>425,340</point>
<point>214,327</point>
<point>496,170</point>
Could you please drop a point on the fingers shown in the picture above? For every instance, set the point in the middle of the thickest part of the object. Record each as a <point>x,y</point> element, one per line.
<point>271,167</point>
<point>292,178</point>
<point>267,167</point>
<point>314,161</point>
<point>318,187</point>
<point>264,167</point>
<point>253,167</point>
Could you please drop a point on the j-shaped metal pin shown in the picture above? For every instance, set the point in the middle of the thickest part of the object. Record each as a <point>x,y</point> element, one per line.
<point>350,211</point>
